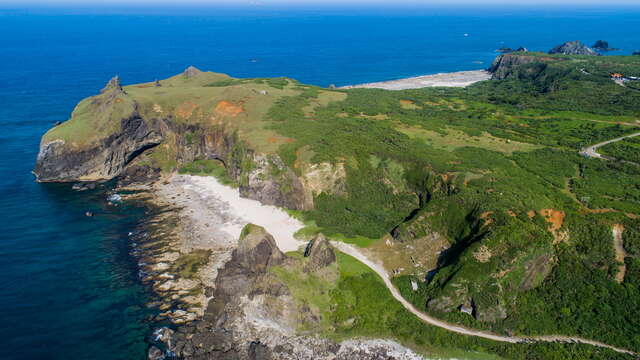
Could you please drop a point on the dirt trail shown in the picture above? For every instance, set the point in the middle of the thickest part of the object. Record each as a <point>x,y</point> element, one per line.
<point>354,252</point>
<point>621,254</point>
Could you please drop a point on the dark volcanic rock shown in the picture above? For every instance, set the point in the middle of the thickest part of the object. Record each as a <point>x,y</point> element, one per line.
<point>636,53</point>
<point>257,250</point>
<point>507,64</point>
<point>320,254</point>
<point>505,50</point>
<point>138,174</point>
<point>601,45</point>
<point>573,48</point>
<point>253,316</point>
<point>522,49</point>
<point>103,161</point>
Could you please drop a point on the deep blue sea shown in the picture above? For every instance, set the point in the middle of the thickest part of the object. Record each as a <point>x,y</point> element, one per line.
<point>68,285</point>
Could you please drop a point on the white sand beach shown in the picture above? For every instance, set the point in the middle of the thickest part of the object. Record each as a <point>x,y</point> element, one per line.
<point>217,208</point>
<point>453,79</point>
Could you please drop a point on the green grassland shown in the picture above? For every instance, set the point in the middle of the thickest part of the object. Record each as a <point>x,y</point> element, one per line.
<point>627,149</point>
<point>493,167</point>
<point>354,302</point>
<point>507,148</point>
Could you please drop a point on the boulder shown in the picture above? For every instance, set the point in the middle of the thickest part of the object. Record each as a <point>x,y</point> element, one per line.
<point>155,354</point>
<point>257,250</point>
<point>573,48</point>
<point>320,254</point>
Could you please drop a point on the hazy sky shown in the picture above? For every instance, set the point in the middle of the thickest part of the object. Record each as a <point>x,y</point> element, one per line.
<point>327,2</point>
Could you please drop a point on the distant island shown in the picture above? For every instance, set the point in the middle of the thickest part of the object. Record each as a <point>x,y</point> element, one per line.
<point>477,214</point>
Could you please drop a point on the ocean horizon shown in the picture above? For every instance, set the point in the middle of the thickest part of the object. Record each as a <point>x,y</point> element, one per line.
<point>71,288</point>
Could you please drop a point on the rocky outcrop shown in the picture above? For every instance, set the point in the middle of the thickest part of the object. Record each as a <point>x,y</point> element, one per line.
<point>320,254</point>
<point>573,48</point>
<point>253,316</point>
<point>191,71</point>
<point>271,182</point>
<point>508,64</point>
<point>113,85</point>
<point>125,133</point>
<point>257,250</point>
<point>506,50</point>
<point>504,65</point>
<point>602,45</point>
<point>59,161</point>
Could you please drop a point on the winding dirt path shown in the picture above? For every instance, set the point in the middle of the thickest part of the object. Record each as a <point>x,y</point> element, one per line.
<point>354,252</point>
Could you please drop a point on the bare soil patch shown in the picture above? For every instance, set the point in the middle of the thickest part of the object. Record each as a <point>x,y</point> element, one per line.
<point>228,108</point>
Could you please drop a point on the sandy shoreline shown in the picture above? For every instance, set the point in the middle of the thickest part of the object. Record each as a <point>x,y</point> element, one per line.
<point>453,79</point>
<point>211,217</point>
<point>196,214</point>
<point>229,213</point>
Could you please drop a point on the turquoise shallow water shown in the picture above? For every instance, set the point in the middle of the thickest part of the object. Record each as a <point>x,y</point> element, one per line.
<point>68,284</point>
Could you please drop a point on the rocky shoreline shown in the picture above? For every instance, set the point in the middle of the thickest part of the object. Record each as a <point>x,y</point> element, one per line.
<point>225,303</point>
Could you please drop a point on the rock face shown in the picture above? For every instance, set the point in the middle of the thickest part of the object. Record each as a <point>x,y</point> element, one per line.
<point>505,64</point>
<point>59,162</point>
<point>113,84</point>
<point>191,71</point>
<point>573,48</point>
<point>253,316</point>
<point>271,182</point>
<point>601,45</point>
<point>257,250</point>
<point>320,254</point>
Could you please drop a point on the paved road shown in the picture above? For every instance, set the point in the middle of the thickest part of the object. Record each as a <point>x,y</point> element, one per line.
<point>590,151</point>
<point>356,253</point>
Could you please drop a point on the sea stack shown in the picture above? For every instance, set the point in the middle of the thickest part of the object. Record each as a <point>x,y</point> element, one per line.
<point>573,48</point>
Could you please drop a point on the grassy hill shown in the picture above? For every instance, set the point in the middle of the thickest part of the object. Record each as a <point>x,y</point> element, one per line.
<point>478,195</point>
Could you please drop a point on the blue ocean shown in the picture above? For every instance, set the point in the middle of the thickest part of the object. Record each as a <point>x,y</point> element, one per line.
<point>69,286</point>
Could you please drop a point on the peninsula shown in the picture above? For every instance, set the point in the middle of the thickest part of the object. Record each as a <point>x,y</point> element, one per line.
<point>289,221</point>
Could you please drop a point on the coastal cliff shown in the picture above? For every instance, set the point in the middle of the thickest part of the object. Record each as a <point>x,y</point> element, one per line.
<point>475,199</point>
<point>120,132</point>
<point>506,65</point>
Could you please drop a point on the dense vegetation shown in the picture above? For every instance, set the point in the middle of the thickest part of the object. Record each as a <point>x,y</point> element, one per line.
<point>494,169</point>
<point>529,220</point>
<point>627,150</point>
<point>364,307</point>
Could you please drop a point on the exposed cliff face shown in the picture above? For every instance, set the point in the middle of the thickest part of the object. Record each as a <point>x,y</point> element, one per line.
<point>505,65</point>
<point>252,314</point>
<point>109,131</point>
<point>60,161</point>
